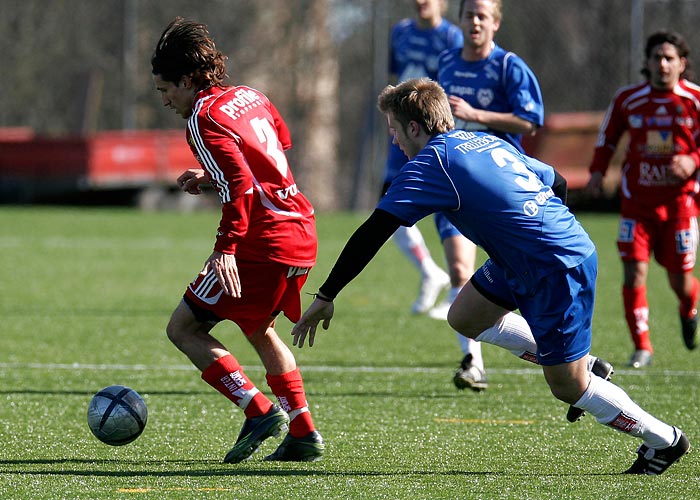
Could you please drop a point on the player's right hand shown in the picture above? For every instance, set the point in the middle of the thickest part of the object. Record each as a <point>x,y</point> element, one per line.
<point>190,180</point>
<point>317,311</point>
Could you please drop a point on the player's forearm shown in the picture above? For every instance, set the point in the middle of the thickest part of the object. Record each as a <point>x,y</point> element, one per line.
<point>601,159</point>
<point>505,122</point>
<point>232,227</point>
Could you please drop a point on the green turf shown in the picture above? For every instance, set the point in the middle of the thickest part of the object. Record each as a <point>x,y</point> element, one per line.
<point>85,296</point>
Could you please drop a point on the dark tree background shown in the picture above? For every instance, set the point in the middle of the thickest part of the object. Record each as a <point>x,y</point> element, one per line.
<point>79,66</point>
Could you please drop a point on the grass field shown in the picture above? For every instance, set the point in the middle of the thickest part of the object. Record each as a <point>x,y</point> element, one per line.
<point>85,296</point>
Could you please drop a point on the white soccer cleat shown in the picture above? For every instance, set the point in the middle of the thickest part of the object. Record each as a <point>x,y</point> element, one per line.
<point>430,288</point>
<point>470,376</point>
<point>640,359</point>
<point>440,311</point>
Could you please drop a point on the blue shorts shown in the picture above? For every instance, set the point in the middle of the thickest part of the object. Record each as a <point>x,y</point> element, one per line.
<point>559,312</point>
<point>444,227</point>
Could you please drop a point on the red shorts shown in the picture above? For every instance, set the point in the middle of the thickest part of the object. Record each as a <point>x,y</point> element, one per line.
<point>267,288</point>
<point>674,242</point>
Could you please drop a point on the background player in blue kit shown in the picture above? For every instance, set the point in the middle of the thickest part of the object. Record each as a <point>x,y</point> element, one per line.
<point>493,90</point>
<point>415,46</point>
<point>541,261</point>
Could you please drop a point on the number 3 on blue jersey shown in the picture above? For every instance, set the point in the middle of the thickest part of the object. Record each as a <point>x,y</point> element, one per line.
<point>526,179</point>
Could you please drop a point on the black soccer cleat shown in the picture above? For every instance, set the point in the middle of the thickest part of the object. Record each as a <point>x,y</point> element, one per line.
<point>309,448</point>
<point>652,461</point>
<point>689,328</point>
<point>602,369</point>
<point>256,430</point>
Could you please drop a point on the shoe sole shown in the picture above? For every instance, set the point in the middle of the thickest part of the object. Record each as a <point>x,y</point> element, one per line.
<point>309,448</point>
<point>310,456</point>
<point>248,445</point>
<point>462,384</point>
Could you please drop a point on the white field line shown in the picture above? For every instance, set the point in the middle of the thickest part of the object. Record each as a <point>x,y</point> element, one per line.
<point>315,368</point>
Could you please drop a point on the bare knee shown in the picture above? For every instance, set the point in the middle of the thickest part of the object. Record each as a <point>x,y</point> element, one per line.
<point>462,324</point>
<point>565,393</point>
<point>174,333</point>
<point>183,325</point>
<point>566,384</point>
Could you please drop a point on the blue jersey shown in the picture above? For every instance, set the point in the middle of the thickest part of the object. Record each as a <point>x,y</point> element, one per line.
<point>502,83</point>
<point>414,51</point>
<point>498,198</point>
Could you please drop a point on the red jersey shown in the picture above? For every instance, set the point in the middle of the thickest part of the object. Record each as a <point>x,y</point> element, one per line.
<point>239,138</point>
<point>661,124</point>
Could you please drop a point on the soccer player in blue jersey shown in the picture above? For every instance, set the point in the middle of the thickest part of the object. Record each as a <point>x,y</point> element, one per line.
<point>541,261</point>
<point>415,45</point>
<point>493,90</point>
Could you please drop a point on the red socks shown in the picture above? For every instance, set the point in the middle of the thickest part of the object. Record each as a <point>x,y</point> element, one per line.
<point>226,376</point>
<point>289,389</point>
<point>637,316</point>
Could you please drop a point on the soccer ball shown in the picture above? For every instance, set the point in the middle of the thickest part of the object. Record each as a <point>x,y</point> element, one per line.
<point>117,415</point>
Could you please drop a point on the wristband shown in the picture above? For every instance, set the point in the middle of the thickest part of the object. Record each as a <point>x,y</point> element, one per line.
<point>321,297</point>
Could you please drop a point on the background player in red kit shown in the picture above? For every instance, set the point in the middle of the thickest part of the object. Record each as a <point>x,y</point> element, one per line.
<point>265,244</point>
<point>659,184</point>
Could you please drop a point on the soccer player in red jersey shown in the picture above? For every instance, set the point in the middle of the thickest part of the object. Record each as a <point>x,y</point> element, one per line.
<point>659,185</point>
<point>265,244</point>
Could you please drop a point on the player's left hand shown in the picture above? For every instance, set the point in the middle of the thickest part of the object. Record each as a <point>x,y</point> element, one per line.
<point>682,167</point>
<point>224,266</point>
<point>317,311</point>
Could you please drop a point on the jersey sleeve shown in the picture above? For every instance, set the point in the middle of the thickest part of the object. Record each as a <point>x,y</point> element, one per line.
<point>231,177</point>
<point>283,134</point>
<point>422,187</point>
<point>523,90</point>
<point>611,130</point>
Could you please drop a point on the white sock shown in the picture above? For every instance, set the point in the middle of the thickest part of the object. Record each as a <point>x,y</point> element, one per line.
<point>512,333</point>
<point>611,406</point>
<point>471,346</point>
<point>411,242</point>
<point>452,294</point>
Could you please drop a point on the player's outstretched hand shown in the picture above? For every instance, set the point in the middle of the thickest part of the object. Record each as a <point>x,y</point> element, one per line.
<point>317,311</point>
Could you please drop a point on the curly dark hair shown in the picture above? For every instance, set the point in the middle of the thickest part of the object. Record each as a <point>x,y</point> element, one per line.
<point>186,48</point>
<point>675,39</point>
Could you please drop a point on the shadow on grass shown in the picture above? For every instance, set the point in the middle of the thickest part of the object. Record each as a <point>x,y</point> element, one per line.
<point>206,392</point>
<point>205,468</point>
<point>91,392</point>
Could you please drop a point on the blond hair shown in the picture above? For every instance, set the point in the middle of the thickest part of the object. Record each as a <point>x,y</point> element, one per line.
<point>421,100</point>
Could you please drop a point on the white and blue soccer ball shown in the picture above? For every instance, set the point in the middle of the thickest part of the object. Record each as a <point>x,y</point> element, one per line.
<point>117,415</point>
